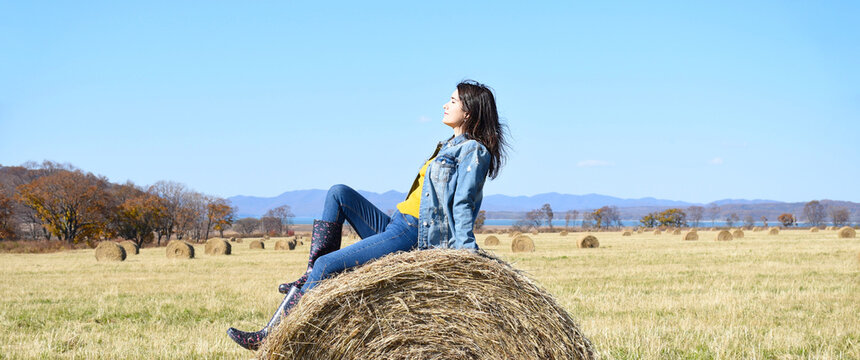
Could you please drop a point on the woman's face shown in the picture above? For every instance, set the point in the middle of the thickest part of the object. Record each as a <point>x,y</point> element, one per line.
<point>453,114</point>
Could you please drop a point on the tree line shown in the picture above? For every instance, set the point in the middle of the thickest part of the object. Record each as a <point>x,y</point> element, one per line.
<point>51,200</point>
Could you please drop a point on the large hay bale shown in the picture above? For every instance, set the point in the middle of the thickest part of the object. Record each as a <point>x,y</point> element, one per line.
<point>256,244</point>
<point>491,240</point>
<point>627,233</point>
<point>177,249</point>
<point>813,229</point>
<point>110,251</point>
<point>281,245</point>
<point>691,236</point>
<point>724,235</point>
<point>773,231</point>
<point>402,307</point>
<point>130,247</point>
<point>522,243</point>
<point>588,241</point>
<point>218,246</point>
<point>738,234</point>
<point>846,232</point>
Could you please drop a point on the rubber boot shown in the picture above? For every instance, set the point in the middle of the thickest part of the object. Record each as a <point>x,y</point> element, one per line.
<point>252,340</point>
<point>325,239</point>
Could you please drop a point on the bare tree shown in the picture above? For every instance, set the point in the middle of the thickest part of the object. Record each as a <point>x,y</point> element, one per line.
<point>814,212</point>
<point>547,210</point>
<point>749,221</point>
<point>573,216</point>
<point>764,220</point>
<point>732,219</point>
<point>173,194</point>
<point>713,212</point>
<point>284,216</point>
<point>840,216</point>
<point>247,226</point>
<point>695,213</point>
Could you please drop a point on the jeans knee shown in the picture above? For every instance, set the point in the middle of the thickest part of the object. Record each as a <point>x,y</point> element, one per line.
<point>337,191</point>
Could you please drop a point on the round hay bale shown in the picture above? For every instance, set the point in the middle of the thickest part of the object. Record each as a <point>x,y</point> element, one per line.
<point>846,232</point>
<point>738,234</point>
<point>401,307</point>
<point>773,231</point>
<point>515,234</point>
<point>257,244</point>
<point>535,232</point>
<point>691,236</point>
<point>831,228</point>
<point>239,240</point>
<point>523,243</point>
<point>588,241</point>
<point>110,251</point>
<point>657,232</point>
<point>130,247</point>
<point>813,229</point>
<point>724,235</point>
<point>177,249</point>
<point>627,233</point>
<point>491,240</point>
<point>756,229</point>
<point>676,232</point>
<point>291,244</point>
<point>218,246</point>
<point>713,229</point>
<point>640,231</point>
<point>563,233</point>
<point>232,239</point>
<point>281,244</point>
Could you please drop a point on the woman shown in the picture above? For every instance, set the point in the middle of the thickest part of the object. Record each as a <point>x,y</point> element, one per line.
<point>439,210</point>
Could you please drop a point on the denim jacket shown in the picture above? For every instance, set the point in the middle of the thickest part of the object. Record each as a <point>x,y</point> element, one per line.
<point>452,193</point>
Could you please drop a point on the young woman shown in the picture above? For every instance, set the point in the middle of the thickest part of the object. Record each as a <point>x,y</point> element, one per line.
<point>439,210</point>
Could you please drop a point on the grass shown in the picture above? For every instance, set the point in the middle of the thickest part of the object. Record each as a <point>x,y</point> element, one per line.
<point>792,295</point>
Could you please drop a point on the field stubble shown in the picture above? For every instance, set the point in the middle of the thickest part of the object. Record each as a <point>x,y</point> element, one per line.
<point>645,296</point>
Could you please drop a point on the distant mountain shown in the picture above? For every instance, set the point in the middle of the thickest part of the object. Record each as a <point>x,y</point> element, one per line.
<point>309,203</point>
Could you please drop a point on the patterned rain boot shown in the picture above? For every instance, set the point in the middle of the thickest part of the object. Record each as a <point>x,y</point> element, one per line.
<point>252,340</point>
<point>325,239</point>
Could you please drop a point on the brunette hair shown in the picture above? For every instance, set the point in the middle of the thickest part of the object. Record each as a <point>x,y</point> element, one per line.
<point>482,122</point>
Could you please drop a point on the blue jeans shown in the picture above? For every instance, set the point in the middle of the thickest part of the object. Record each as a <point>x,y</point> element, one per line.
<point>380,234</point>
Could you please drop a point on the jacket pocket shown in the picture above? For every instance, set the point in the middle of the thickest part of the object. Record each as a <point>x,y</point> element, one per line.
<point>445,165</point>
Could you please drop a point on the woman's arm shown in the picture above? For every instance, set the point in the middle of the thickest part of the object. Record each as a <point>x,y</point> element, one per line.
<point>470,176</point>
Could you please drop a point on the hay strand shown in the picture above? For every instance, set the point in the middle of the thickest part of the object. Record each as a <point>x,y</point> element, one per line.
<point>110,251</point>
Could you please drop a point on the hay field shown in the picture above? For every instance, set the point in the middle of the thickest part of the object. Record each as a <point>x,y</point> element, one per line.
<point>645,296</point>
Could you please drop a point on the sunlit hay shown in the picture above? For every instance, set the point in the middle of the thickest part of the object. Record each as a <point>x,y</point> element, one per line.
<point>178,249</point>
<point>218,246</point>
<point>522,243</point>
<point>588,241</point>
<point>563,233</point>
<point>773,231</point>
<point>657,232</point>
<point>724,235</point>
<point>627,233</point>
<point>491,240</point>
<point>430,304</point>
<point>130,247</point>
<point>847,232</point>
<point>110,251</point>
<point>256,244</point>
<point>738,234</point>
<point>813,229</point>
<point>281,244</point>
<point>691,236</point>
<point>756,229</point>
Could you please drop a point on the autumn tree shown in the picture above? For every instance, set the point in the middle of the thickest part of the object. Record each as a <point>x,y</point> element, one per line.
<point>173,195</point>
<point>247,226</point>
<point>840,216</point>
<point>479,220</point>
<point>70,203</point>
<point>606,217</point>
<point>694,214</point>
<point>7,229</point>
<point>220,215</point>
<point>786,219</point>
<point>649,220</point>
<point>672,217</point>
<point>814,212</point>
<point>548,215</point>
<point>140,216</point>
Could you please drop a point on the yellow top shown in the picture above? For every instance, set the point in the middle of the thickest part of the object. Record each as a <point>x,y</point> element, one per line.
<point>413,201</point>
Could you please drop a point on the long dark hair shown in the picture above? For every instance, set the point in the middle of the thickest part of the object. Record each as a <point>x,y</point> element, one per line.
<point>482,123</point>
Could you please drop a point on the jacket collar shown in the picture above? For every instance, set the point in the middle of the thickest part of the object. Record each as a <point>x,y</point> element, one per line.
<point>456,140</point>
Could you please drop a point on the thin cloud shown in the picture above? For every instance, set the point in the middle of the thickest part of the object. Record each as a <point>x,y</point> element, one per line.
<point>593,163</point>
<point>716,161</point>
<point>423,119</point>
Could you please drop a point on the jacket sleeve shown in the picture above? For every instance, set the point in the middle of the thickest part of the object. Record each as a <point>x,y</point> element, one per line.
<point>471,173</point>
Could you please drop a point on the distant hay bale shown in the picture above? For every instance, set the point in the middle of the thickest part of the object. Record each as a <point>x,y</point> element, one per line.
<point>239,240</point>
<point>847,232</point>
<point>130,247</point>
<point>738,234</point>
<point>588,241</point>
<point>756,229</point>
<point>640,231</point>
<point>535,232</point>
<point>691,236</point>
<point>813,229</point>
<point>563,233</point>
<point>110,251</point>
<point>178,249</point>
<point>773,231</point>
<point>522,243</point>
<point>401,307</point>
<point>257,244</point>
<point>627,233</point>
<point>713,229</point>
<point>232,239</point>
<point>218,246</point>
<point>831,228</point>
<point>491,240</point>
<point>724,235</point>
<point>657,232</point>
<point>676,232</point>
<point>281,244</point>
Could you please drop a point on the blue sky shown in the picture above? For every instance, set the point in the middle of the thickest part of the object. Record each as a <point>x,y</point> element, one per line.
<point>677,100</point>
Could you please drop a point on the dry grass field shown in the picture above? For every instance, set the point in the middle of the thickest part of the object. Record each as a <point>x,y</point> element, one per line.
<point>794,295</point>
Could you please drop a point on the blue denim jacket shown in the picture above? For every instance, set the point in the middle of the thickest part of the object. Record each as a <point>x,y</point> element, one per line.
<point>452,193</point>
